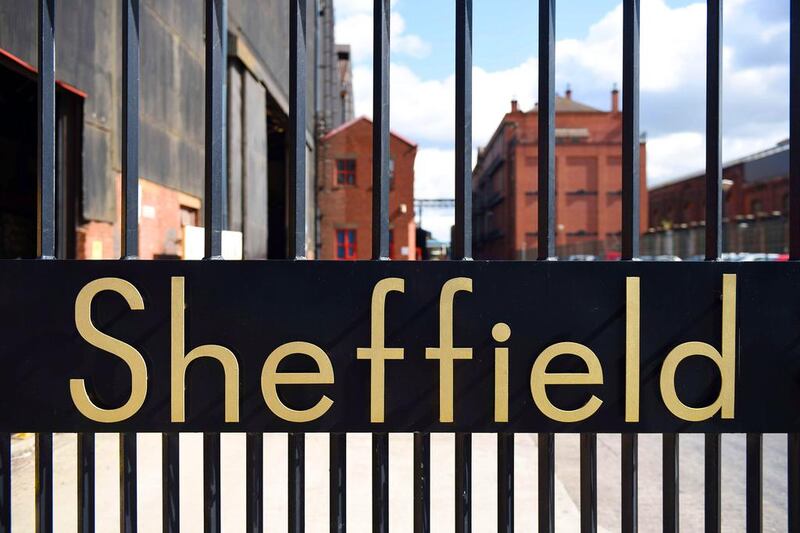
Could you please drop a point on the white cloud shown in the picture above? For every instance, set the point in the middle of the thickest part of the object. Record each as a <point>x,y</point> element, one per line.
<point>434,171</point>
<point>755,84</point>
<point>354,27</point>
<point>346,8</point>
<point>425,109</point>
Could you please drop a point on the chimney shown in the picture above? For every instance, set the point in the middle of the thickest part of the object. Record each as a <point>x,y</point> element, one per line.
<point>514,106</point>
<point>568,93</point>
<point>615,99</point>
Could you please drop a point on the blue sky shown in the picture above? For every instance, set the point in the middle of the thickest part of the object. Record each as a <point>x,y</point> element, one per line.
<point>589,59</point>
<point>505,31</point>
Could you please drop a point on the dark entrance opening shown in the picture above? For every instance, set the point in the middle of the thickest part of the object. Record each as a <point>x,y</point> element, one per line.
<point>18,172</point>
<point>278,199</point>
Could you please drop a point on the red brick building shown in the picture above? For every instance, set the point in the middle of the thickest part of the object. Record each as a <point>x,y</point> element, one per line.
<point>344,193</point>
<point>754,186</point>
<point>588,182</point>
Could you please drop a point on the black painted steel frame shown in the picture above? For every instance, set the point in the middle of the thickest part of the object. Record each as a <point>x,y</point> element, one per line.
<point>216,39</point>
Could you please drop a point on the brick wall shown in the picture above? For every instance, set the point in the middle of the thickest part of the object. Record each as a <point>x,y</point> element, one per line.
<point>588,183</point>
<point>162,215</point>
<point>350,206</point>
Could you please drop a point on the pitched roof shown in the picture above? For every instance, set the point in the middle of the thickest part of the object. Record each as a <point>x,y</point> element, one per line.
<point>346,125</point>
<point>568,105</point>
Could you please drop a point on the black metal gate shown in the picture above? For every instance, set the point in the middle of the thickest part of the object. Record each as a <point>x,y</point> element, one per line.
<point>215,43</point>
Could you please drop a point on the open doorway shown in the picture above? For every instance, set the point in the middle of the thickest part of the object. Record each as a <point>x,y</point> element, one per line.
<point>278,195</point>
<point>18,173</point>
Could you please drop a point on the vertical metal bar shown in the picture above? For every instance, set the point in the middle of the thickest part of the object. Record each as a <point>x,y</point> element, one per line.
<point>588,482</point>
<point>297,475</point>
<point>547,131</point>
<point>462,238</point>
<point>130,129</point>
<point>380,129</point>
<point>794,132</point>
<point>216,42</point>
<point>338,482</point>
<point>255,483</point>
<point>86,485</point>
<point>547,482</point>
<point>713,130</point>
<point>46,147</point>
<point>793,439</point>
<point>463,465</point>
<point>630,224</point>
<point>297,129</point>
<point>505,483</point>
<point>422,483</point>
<point>5,482</point>
<point>212,494</point>
<point>546,225</point>
<point>754,503</point>
<point>713,483</point>
<point>130,224</point>
<point>127,482</point>
<point>630,482</point>
<point>43,459</point>
<point>380,482</point>
<point>630,130</point>
<point>170,482</point>
<point>216,21</point>
<point>793,452</point>
<point>670,453</point>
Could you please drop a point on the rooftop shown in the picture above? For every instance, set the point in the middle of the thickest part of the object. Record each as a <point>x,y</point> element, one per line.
<point>568,105</point>
<point>778,153</point>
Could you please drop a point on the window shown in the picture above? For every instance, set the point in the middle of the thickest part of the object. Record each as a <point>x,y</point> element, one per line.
<point>346,248</point>
<point>391,174</point>
<point>189,216</point>
<point>345,171</point>
<point>391,244</point>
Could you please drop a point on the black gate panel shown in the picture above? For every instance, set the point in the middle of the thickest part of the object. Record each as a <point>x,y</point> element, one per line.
<point>501,311</point>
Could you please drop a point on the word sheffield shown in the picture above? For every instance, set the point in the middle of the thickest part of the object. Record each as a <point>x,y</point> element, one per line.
<point>377,354</point>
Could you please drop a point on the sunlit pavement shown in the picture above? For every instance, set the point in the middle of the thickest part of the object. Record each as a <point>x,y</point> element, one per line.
<point>401,508</point>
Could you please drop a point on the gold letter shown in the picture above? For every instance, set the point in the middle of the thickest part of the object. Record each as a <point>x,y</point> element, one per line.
<point>377,352</point>
<point>726,362</point>
<point>180,362</point>
<point>501,333</point>
<point>126,352</point>
<point>540,377</point>
<point>270,377</point>
<point>445,352</point>
<point>631,349</point>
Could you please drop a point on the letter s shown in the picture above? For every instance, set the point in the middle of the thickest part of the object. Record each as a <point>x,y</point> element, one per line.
<point>126,352</point>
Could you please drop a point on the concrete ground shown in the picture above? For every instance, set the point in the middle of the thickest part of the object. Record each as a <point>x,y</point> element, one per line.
<point>358,471</point>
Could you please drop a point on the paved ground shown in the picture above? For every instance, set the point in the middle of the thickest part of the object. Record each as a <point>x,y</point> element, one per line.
<point>358,508</point>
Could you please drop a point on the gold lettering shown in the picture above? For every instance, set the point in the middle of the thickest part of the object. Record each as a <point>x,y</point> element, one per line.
<point>377,353</point>
<point>445,352</point>
<point>631,349</point>
<point>181,361</point>
<point>270,378</point>
<point>541,378</point>
<point>126,352</point>
<point>501,333</point>
<point>726,362</point>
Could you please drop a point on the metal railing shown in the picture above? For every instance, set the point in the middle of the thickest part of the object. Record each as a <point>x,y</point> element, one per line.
<point>216,33</point>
